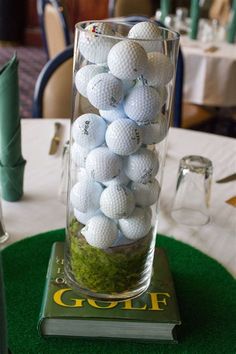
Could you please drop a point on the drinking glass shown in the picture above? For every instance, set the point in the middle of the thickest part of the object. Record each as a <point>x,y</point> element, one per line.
<point>123,88</point>
<point>192,196</point>
<point>3,234</point>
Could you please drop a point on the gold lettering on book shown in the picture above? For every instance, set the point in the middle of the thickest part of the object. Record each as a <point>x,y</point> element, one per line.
<point>108,304</point>
<point>154,302</point>
<point>57,297</point>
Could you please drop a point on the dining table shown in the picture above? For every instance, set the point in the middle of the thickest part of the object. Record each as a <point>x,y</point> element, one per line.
<point>42,207</point>
<point>209,72</point>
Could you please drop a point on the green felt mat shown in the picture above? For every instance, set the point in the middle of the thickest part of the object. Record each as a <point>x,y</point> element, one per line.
<point>206,295</point>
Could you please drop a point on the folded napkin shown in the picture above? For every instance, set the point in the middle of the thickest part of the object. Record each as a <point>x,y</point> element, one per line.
<point>12,163</point>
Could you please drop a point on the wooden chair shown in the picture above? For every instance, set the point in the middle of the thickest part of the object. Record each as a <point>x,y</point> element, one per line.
<point>53,89</point>
<point>54,26</point>
<point>117,8</point>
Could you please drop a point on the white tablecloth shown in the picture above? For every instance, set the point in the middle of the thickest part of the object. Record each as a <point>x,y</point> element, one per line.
<point>41,210</point>
<point>209,78</point>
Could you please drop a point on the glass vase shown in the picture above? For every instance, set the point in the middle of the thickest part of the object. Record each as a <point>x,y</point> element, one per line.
<point>123,83</point>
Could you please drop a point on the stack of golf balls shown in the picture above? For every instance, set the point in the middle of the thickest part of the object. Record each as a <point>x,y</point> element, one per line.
<point>126,80</point>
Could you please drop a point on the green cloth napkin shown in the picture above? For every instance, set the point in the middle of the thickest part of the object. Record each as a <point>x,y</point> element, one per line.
<point>12,163</point>
<point>194,15</point>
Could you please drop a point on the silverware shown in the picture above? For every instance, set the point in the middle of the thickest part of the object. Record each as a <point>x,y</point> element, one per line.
<point>229,178</point>
<point>56,139</point>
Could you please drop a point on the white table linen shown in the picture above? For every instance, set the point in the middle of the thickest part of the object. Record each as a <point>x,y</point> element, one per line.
<point>209,77</point>
<point>40,209</point>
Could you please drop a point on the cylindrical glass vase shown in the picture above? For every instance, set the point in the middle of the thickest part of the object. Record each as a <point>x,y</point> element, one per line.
<point>123,83</point>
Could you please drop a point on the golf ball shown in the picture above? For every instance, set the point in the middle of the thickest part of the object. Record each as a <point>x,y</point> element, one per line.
<point>150,32</point>
<point>155,132</point>
<point>142,166</point>
<point>105,91</point>
<point>100,232</point>
<point>88,130</point>
<point>117,201</point>
<point>79,155</point>
<point>85,195</point>
<point>142,104</point>
<point>127,60</point>
<point>113,114</point>
<point>123,137</point>
<point>95,47</point>
<point>103,165</point>
<point>121,179</point>
<point>159,70</point>
<point>145,194</point>
<point>137,225</point>
<point>83,218</point>
<point>84,75</point>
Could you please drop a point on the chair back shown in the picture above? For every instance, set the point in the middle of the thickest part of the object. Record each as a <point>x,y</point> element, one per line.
<point>117,8</point>
<point>53,89</point>
<point>54,26</point>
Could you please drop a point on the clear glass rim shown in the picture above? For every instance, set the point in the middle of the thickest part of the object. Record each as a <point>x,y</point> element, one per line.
<point>79,26</point>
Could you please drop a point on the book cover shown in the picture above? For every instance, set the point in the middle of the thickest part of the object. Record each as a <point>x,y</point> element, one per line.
<point>151,316</point>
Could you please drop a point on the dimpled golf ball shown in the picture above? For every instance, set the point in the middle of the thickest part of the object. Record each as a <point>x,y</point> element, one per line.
<point>142,104</point>
<point>93,46</point>
<point>85,195</point>
<point>159,70</point>
<point>88,130</point>
<point>128,85</point>
<point>127,60</point>
<point>123,137</point>
<point>121,179</point>
<point>142,166</point>
<point>105,91</point>
<point>155,132</point>
<point>137,225</point>
<point>113,114</point>
<point>100,232</point>
<point>145,194</point>
<point>83,218</point>
<point>117,201</point>
<point>84,75</point>
<point>150,32</point>
<point>103,165</point>
<point>79,155</point>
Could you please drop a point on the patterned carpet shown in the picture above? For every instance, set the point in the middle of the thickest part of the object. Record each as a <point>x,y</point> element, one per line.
<point>31,62</point>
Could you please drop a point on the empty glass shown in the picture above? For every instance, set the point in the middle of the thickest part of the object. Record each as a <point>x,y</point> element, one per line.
<point>191,203</point>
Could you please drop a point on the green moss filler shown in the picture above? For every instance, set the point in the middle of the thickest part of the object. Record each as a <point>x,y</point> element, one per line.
<point>113,270</point>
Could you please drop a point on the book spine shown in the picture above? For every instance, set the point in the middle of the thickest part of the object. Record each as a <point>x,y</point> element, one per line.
<point>51,272</point>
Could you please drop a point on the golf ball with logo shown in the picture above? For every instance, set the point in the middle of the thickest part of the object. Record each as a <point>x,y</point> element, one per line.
<point>85,195</point>
<point>142,166</point>
<point>137,225</point>
<point>117,201</point>
<point>84,75</point>
<point>93,46</point>
<point>159,70</point>
<point>142,104</point>
<point>155,132</point>
<point>105,91</point>
<point>88,130</point>
<point>150,32</point>
<point>145,194</point>
<point>100,232</point>
<point>123,137</point>
<point>113,114</point>
<point>127,60</point>
<point>103,165</point>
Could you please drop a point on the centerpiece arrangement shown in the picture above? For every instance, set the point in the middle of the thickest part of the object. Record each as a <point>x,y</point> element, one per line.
<point>123,88</point>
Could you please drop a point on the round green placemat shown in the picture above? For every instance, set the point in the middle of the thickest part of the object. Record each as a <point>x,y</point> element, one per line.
<point>206,295</point>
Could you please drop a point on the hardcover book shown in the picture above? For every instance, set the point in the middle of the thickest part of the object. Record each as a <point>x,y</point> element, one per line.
<point>151,316</point>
